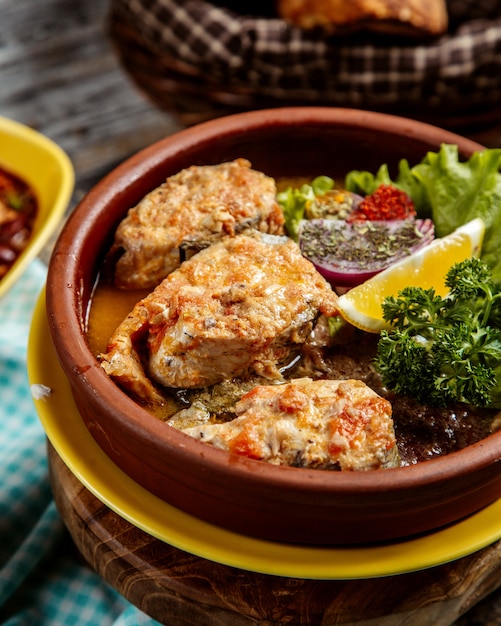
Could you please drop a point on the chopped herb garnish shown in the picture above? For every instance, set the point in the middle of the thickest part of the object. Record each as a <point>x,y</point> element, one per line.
<point>361,245</point>
<point>445,349</point>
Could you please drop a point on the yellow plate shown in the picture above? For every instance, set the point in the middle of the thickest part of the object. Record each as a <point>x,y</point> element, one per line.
<point>47,169</point>
<point>71,439</point>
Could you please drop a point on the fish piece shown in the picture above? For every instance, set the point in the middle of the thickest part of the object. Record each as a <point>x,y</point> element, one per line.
<point>243,306</point>
<point>191,210</point>
<point>316,424</point>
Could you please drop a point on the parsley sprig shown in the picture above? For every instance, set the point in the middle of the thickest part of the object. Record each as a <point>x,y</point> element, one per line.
<point>443,350</point>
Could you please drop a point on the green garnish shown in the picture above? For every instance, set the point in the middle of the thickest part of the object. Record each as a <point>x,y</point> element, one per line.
<point>295,201</point>
<point>449,191</point>
<point>14,200</point>
<point>442,350</point>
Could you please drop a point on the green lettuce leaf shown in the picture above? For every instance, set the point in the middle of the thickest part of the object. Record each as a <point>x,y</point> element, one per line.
<point>293,202</point>
<point>449,191</point>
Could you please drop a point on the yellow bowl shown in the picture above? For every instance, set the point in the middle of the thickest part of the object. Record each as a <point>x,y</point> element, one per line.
<point>48,170</point>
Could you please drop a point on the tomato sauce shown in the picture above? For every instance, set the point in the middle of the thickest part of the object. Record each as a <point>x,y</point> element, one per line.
<point>18,210</point>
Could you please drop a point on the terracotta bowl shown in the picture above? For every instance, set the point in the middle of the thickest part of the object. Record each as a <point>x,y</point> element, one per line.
<point>247,496</point>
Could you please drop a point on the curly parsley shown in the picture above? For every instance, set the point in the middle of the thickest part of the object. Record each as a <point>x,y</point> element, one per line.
<point>442,350</point>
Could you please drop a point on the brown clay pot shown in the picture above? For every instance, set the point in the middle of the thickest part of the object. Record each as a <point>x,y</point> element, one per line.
<point>247,496</point>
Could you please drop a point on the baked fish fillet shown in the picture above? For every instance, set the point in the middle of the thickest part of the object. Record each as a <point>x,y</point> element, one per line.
<point>242,306</point>
<point>189,211</point>
<point>321,424</point>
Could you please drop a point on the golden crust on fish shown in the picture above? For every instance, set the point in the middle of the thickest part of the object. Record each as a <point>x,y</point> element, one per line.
<point>323,424</point>
<point>190,210</point>
<point>242,306</point>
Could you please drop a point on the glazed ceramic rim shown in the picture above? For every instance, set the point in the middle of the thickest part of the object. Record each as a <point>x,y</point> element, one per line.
<point>75,355</point>
<point>46,223</point>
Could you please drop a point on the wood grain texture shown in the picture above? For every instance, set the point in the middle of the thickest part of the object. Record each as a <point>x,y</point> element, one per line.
<point>59,74</point>
<point>178,588</point>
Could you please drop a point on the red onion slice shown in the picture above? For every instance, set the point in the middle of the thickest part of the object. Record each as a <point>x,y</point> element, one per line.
<point>347,254</point>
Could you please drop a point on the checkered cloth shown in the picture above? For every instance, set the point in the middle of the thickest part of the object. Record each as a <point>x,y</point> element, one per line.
<point>212,45</point>
<point>43,581</point>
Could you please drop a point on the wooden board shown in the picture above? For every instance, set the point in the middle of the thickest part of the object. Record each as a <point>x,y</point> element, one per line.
<point>178,588</point>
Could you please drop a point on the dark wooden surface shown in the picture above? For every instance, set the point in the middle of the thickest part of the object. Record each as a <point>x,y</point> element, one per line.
<point>59,74</point>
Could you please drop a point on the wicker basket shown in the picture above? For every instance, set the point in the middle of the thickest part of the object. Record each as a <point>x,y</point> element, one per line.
<point>199,60</point>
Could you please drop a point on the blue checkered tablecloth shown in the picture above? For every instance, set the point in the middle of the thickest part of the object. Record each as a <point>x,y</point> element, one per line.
<point>43,580</point>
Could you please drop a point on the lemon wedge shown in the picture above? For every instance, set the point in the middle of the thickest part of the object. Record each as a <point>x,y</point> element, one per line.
<point>426,268</point>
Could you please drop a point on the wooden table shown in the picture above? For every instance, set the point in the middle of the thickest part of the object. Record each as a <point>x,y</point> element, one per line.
<point>180,589</point>
<point>60,75</point>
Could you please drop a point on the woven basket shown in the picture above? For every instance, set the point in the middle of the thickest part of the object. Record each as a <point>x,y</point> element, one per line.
<point>199,60</point>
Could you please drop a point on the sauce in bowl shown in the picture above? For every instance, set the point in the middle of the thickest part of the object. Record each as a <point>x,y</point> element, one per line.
<point>18,210</point>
